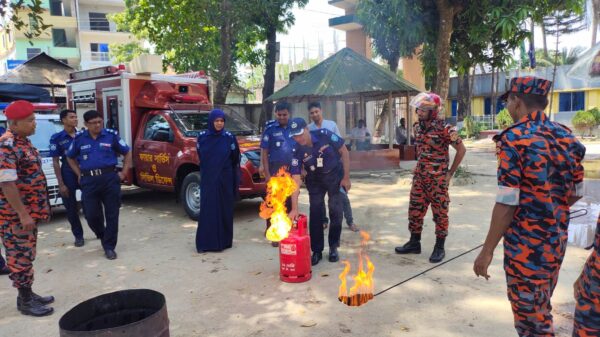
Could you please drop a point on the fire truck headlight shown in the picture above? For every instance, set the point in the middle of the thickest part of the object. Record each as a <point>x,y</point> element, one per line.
<point>243,160</point>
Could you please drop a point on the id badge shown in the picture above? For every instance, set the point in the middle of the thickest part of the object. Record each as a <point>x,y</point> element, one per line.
<point>319,162</point>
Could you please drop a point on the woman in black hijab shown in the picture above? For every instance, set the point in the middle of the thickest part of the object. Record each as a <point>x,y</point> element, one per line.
<point>219,155</point>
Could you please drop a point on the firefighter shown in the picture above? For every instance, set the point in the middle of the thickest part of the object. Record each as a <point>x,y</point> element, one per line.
<point>431,175</point>
<point>327,163</point>
<point>67,180</point>
<point>93,157</point>
<point>539,177</point>
<point>276,147</point>
<point>23,204</point>
<point>587,294</point>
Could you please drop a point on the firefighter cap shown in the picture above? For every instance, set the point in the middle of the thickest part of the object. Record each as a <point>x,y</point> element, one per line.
<point>19,110</point>
<point>528,85</point>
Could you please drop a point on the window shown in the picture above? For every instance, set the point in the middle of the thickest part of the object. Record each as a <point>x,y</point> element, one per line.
<point>56,8</point>
<point>571,101</point>
<point>98,21</point>
<point>59,37</point>
<point>99,51</point>
<point>487,106</point>
<point>454,107</point>
<point>31,52</point>
<point>158,125</point>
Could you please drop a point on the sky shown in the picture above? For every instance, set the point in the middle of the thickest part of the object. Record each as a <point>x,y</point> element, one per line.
<point>312,25</point>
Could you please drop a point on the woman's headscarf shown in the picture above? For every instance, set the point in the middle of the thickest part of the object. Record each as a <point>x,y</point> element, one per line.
<point>214,114</point>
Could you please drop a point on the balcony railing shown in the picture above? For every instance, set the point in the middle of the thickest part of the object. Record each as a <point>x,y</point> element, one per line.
<point>99,56</point>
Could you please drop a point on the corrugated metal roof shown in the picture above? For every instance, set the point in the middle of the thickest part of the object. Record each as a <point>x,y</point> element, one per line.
<point>345,74</point>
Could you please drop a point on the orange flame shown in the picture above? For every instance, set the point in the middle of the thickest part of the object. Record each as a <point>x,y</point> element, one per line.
<point>362,291</point>
<point>279,188</point>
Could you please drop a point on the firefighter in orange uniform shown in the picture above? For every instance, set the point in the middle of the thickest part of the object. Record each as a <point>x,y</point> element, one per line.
<point>587,294</point>
<point>23,204</point>
<point>539,177</point>
<point>432,174</point>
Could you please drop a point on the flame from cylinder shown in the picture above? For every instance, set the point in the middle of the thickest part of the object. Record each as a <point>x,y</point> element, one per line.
<point>363,288</point>
<point>280,187</point>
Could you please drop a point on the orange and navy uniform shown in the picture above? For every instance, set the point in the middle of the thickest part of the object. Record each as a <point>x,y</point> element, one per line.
<point>539,169</point>
<point>429,181</point>
<point>20,163</point>
<point>587,294</point>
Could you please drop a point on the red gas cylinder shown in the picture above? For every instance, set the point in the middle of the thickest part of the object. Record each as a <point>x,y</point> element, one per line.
<point>294,254</point>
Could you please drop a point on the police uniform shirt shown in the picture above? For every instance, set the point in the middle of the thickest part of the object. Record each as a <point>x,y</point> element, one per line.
<point>326,145</point>
<point>277,140</point>
<point>59,145</point>
<point>97,153</point>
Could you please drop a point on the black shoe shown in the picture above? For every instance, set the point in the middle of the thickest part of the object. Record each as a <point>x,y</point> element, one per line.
<point>45,300</point>
<point>438,253</point>
<point>333,255</point>
<point>4,270</point>
<point>79,242</point>
<point>110,254</point>
<point>274,244</point>
<point>316,257</point>
<point>32,307</point>
<point>413,246</point>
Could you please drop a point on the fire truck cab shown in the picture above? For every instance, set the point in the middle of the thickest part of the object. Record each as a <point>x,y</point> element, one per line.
<point>160,116</point>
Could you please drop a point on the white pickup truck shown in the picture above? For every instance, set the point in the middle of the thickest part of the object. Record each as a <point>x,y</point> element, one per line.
<point>47,125</point>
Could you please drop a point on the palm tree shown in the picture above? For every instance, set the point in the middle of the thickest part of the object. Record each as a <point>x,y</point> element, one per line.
<point>566,56</point>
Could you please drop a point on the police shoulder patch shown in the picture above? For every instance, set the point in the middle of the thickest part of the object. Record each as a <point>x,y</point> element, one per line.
<point>334,137</point>
<point>122,142</point>
<point>294,162</point>
<point>52,147</point>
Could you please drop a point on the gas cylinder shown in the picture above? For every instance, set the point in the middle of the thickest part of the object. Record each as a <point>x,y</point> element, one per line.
<point>294,254</point>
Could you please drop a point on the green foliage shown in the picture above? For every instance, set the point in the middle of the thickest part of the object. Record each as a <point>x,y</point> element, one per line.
<point>122,53</point>
<point>596,113</point>
<point>583,121</point>
<point>470,129</point>
<point>503,119</point>
<point>34,27</point>
<point>387,22</point>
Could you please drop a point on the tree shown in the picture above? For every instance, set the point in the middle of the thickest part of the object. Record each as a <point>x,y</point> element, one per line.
<point>35,25</point>
<point>122,53</point>
<point>584,121</point>
<point>595,16</point>
<point>271,16</point>
<point>397,27</point>
<point>197,34</point>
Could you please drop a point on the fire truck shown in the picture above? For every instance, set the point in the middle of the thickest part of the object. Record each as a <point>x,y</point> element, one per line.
<point>160,117</point>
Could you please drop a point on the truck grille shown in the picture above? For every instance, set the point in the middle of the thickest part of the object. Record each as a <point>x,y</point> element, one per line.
<point>53,192</point>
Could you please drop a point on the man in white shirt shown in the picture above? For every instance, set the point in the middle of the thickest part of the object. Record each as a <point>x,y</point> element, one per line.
<point>316,115</point>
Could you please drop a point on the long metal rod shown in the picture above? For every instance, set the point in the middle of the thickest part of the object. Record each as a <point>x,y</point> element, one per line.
<point>430,269</point>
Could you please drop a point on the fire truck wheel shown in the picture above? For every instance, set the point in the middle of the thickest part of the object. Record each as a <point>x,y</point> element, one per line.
<point>190,194</point>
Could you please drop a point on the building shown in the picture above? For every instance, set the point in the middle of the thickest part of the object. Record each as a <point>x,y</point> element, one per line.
<point>7,48</point>
<point>79,37</point>
<point>570,94</point>
<point>359,41</point>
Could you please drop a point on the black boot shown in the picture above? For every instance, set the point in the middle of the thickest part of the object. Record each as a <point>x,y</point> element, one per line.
<point>413,246</point>
<point>28,305</point>
<point>316,257</point>
<point>333,255</point>
<point>438,251</point>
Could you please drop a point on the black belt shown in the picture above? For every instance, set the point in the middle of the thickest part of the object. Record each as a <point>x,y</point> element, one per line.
<point>97,172</point>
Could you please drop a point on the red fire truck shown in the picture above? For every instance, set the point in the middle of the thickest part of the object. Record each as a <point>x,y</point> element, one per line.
<point>160,116</point>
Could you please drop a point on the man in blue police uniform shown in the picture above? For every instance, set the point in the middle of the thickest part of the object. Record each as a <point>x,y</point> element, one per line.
<point>276,147</point>
<point>67,180</point>
<point>93,157</point>
<point>319,152</point>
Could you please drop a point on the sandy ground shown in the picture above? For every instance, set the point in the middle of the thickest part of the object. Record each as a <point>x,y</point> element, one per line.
<point>238,292</point>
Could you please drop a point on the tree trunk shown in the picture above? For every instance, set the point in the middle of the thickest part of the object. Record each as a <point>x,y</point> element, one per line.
<point>447,13</point>
<point>393,63</point>
<point>471,89</point>
<point>595,14</point>
<point>544,39</point>
<point>269,78</point>
<point>463,96</point>
<point>225,76</point>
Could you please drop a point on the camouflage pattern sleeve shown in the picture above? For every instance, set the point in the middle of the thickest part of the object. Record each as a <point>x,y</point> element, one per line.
<point>8,159</point>
<point>578,153</point>
<point>509,174</point>
<point>452,135</point>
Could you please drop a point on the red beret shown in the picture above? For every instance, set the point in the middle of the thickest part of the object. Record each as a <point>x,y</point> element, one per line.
<point>19,110</point>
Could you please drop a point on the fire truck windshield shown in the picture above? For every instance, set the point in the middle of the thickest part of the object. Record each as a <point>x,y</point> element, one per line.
<point>192,122</point>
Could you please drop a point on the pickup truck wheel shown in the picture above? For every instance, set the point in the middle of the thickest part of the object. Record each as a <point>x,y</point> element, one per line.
<point>190,194</point>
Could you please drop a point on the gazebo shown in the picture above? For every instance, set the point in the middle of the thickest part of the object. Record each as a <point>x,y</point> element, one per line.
<point>349,76</point>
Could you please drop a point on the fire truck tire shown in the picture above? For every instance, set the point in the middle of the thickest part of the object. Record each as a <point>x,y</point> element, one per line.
<point>190,194</point>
